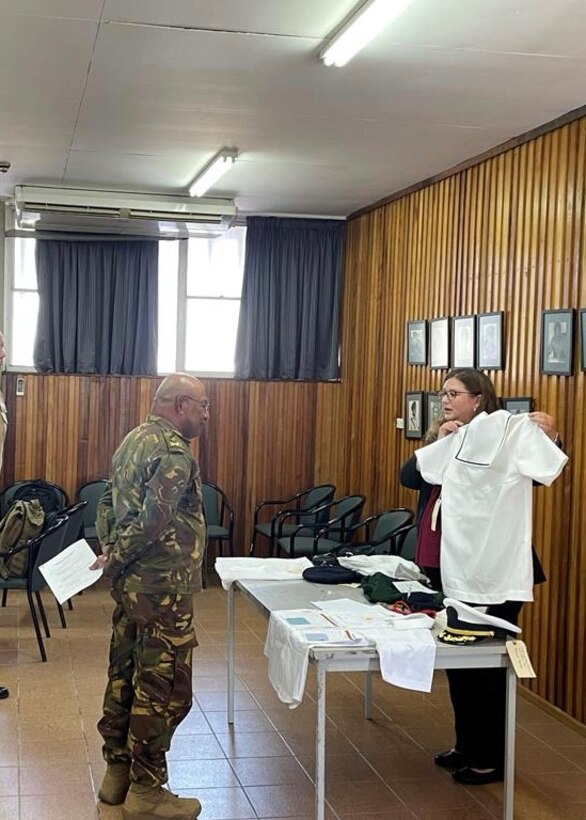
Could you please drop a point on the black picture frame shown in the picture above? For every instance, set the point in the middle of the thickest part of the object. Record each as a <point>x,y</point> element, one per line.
<point>439,343</point>
<point>557,335</point>
<point>490,341</point>
<point>433,408</point>
<point>518,404</point>
<point>414,414</point>
<point>583,338</point>
<point>463,341</point>
<point>417,341</point>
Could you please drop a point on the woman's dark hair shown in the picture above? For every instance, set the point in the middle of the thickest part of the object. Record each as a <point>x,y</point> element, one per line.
<point>477,383</point>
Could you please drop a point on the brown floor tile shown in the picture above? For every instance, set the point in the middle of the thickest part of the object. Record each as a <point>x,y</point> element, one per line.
<point>348,801</point>
<point>282,801</point>
<point>222,804</point>
<point>253,744</point>
<point>10,808</point>
<point>252,720</point>
<point>54,807</point>
<point>195,747</point>
<point>268,771</point>
<point>55,778</point>
<point>201,774</point>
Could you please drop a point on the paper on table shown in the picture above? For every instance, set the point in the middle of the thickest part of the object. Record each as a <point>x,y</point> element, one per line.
<point>69,572</point>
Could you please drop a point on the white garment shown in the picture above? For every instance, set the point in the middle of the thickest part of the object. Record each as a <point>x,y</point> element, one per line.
<point>407,656</point>
<point>288,657</point>
<point>486,470</point>
<point>260,569</point>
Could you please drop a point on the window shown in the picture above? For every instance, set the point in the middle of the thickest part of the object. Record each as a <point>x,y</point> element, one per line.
<point>200,283</point>
<point>22,320</point>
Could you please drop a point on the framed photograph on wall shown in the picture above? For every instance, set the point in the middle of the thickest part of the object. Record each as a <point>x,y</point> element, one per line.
<point>463,341</point>
<point>417,342</point>
<point>439,343</point>
<point>414,414</point>
<point>583,339</point>
<point>433,409</point>
<point>556,342</point>
<point>522,404</point>
<point>489,341</point>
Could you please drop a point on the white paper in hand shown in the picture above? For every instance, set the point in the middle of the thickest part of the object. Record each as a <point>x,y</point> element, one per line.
<point>69,572</point>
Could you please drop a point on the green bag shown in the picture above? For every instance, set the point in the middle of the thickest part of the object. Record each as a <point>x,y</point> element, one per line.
<point>23,521</point>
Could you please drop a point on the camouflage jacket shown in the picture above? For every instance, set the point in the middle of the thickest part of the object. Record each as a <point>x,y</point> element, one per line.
<point>151,515</point>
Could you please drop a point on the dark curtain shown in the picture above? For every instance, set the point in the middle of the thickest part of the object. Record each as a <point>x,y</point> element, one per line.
<point>290,309</point>
<point>97,307</point>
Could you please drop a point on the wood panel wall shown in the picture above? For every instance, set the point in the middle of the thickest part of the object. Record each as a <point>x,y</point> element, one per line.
<point>507,234</point>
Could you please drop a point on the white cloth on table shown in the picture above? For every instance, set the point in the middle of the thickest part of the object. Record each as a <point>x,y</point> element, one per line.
<point>260,569</point>
<point>407,656</point>
<point>288,657</point>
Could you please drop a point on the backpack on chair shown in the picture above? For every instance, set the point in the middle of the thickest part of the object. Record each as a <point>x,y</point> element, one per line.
<point>48,496</point>
<point>23,521</point>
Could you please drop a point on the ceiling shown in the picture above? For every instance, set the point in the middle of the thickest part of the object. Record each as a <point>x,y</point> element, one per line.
<point>139,94</point>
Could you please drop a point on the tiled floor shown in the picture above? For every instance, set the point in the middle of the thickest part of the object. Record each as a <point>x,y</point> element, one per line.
<point>50,762</point>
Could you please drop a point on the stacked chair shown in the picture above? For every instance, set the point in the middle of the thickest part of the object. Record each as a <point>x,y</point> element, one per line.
<point>288,514</point>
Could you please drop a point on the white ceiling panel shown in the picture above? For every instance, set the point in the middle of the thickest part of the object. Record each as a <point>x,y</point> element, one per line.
<point>297,18</point>
<point>78,9</point>
<point>128,98</point>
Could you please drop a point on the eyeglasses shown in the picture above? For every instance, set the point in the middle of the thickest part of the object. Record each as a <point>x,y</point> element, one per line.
<point>203,403</point>
<point>451,394</point>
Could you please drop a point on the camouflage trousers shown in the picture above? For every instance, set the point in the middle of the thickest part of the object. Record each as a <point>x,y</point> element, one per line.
<point>149,681</point>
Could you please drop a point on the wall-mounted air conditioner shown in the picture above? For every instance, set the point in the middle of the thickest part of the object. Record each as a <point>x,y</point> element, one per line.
<point>121,212</point>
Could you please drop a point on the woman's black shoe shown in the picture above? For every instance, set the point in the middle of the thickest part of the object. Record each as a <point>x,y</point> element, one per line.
<point>452,759</point>
<point>470,777</point>
<point>3,692</point>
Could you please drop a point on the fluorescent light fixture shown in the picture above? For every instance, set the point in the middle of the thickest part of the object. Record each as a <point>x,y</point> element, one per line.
<point>215,169</point>
<point>363,27</point>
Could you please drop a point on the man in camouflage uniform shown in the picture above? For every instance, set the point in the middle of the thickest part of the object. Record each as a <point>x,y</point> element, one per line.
<point>152,532</point>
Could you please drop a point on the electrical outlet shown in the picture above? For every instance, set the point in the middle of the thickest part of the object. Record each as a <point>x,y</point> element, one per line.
<point>20,386</point>
<point>400,424</point>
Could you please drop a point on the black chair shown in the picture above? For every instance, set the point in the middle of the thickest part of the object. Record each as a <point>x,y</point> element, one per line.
<point>342,514</point>
<point>407,542</point>
<point>74,514</point>
<point>91,492</point>
<point>7,495</point>
<point>41,550</point>
<point>381,530</point>
<point>219,516</point>
<point>291,512</point>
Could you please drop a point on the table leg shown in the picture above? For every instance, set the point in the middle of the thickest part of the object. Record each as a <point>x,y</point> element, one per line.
<point>510,720</point>
<point>368,694</point>
<point>231,654</point>
<point>320,744</point>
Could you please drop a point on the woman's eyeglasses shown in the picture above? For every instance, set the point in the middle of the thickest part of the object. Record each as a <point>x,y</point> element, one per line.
<point>451,394</point>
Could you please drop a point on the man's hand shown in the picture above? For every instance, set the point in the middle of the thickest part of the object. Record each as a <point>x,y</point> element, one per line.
<point>101,561</point>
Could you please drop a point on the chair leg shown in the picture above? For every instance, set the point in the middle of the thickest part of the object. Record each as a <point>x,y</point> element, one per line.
<point>4,596</point>
<point>252,548</point>
<point>36,626</point>
<point>42,613</point>
<point>61,615</point>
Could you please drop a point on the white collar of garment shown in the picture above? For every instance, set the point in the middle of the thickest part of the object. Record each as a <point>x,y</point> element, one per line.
<point>484,437</point>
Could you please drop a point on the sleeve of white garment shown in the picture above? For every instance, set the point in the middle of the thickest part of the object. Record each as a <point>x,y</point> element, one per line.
<point>537,457</point>
<point>433,459</point>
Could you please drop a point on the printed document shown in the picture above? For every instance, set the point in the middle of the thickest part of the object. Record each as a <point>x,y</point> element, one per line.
<point>69,572</point>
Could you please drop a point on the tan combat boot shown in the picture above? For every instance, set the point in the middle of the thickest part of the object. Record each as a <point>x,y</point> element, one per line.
<point>115,784</point>
<point>144,803</point>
